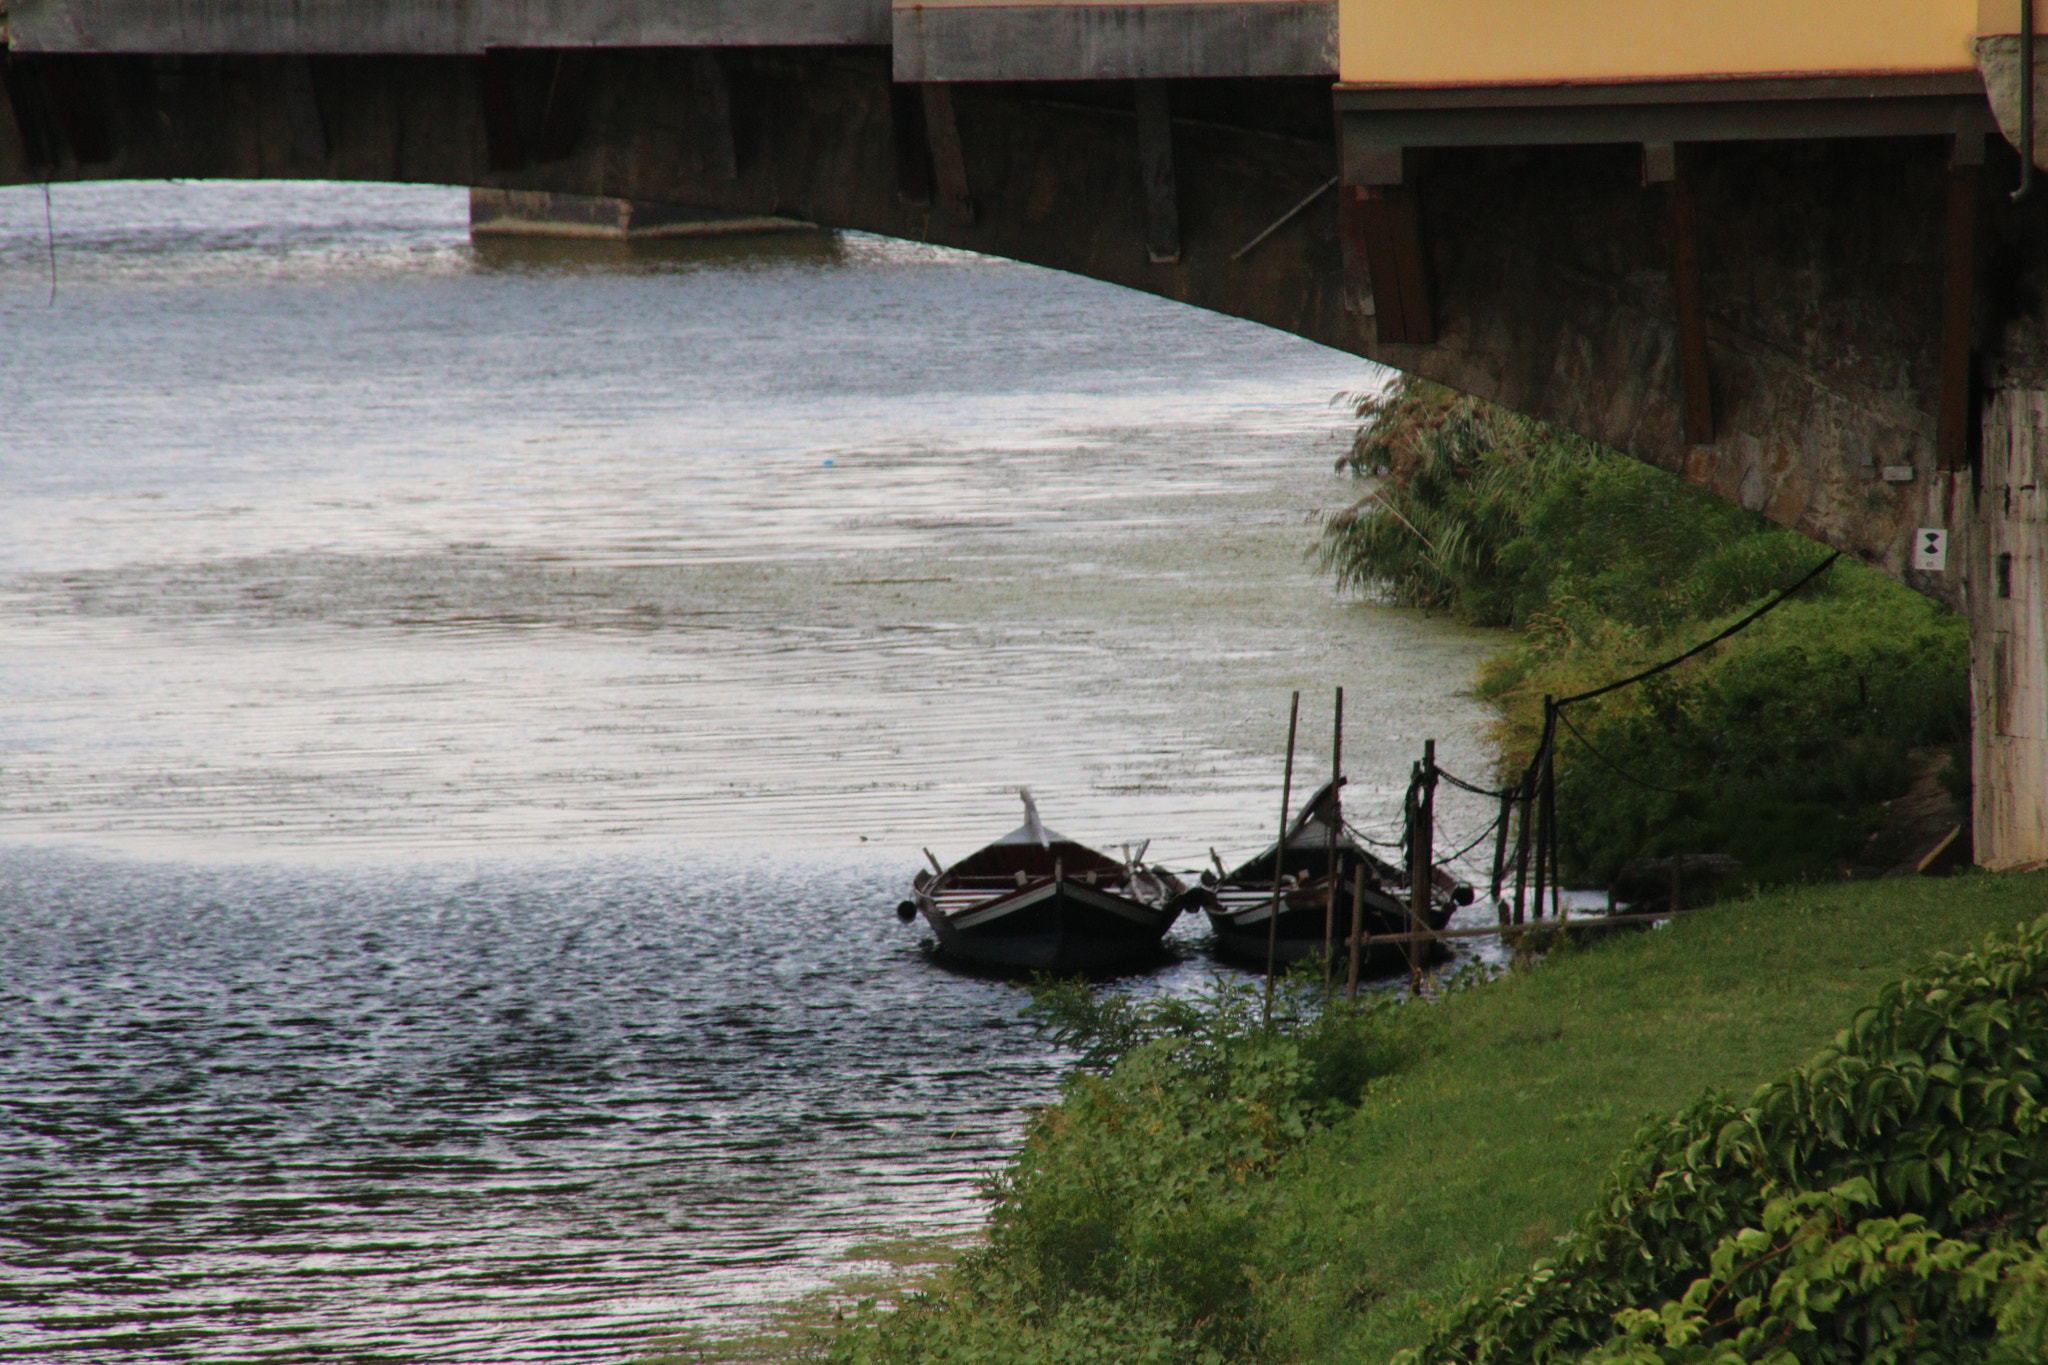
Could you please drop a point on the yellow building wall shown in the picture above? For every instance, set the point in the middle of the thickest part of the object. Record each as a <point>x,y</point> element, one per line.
<point>1496,42</point>
<point>1084,4</point>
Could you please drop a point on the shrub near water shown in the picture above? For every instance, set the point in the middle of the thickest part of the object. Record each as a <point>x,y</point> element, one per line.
<point>1885,1202</point>
<point>1127,1227</point>
<point>1780,747</point>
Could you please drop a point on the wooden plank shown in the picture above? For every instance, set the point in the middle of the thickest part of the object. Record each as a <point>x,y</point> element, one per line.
<point>1390,227</point>
<point>504,150</point>
<point>1376,248</point>
<point>1511,930</point>
<point>1695,398</point>
<point>1404,209</point>
<point>1660,163</point>
<point>949,163</point>
<point>1958,295</point>
<point>1155,171</point>
<point>1357,272</point>
<point>715,146</point>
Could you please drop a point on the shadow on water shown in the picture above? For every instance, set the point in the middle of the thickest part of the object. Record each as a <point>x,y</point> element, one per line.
<point>610,255</point>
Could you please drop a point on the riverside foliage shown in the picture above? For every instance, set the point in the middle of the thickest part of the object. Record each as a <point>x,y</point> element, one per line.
<point>1779,747</point>
<point>1128,1228</point>
<point>1486,1125</point>
<point>1886,1202</point>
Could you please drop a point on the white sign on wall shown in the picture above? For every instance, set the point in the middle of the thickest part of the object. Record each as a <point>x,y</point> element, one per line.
<point>1930,549</point>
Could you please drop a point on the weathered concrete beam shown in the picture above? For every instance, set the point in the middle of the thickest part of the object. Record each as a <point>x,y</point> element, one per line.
<point>967,40</point>
<point>2003,512</point>
<point>434,27</point>
<point>1381,123</point>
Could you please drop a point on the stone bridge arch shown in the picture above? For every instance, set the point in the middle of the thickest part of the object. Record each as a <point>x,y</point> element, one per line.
<point>1811,296</point>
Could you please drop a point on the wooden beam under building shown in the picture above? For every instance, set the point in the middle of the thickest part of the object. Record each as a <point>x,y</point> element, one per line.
<point>504,149</point>
<point>1388,223</point>
<point>561,124</point>
<point>1695,393</point>
<point>1958,295</point>
<point>1155,168</point>
<point>949,163</point>
<point>912,145</point>
<point>715,146</point>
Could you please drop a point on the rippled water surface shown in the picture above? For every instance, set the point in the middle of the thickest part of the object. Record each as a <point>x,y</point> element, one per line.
<point>465,719</point>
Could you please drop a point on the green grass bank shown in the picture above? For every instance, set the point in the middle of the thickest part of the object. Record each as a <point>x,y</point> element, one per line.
<point>1332,1227</point>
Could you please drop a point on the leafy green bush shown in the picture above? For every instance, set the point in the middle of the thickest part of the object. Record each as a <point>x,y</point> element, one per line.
<point>1126,1229</point>
<point>1500,520</point>
<point>1780,748</point>
<point>1885,1202</point>
<point>1456,479</point>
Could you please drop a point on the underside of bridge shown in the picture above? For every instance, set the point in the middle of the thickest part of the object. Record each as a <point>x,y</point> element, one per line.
<point>1816,299</point>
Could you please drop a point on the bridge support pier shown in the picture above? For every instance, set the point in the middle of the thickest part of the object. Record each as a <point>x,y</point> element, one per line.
<point>2007,602</point>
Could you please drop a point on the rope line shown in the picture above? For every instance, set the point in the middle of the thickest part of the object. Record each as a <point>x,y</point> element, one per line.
<point>1705,645</point>
<point>1616,767</point>
<point>1496,793</point>
<point>1484,835</point>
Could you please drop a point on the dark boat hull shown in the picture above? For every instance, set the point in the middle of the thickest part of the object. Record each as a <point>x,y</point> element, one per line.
<point>1067,927</point>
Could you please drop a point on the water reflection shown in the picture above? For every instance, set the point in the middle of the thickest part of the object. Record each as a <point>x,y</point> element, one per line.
<point>452,1115</point>
<point>466,718</point>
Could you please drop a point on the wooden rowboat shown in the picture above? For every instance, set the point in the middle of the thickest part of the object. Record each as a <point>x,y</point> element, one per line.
<point>1240,902</point>
<point>1035,900</point>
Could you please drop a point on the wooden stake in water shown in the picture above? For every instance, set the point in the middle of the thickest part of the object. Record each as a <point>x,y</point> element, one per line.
<point>1550,822</point>
<point>1357,931</point>
<point>1280,857</point>
<point>1336,819</point>
<point>1421,848</point>
<point>1525,801</point>
<point>1545,870</point>
<point>1500,853</point>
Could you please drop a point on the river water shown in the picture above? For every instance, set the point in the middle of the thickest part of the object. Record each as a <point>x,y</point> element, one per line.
<point>466,717</point>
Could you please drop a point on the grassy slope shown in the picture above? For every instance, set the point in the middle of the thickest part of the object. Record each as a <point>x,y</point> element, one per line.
<point>1466,1164</point>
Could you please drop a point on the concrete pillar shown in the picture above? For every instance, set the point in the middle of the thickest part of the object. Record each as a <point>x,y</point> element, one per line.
<point>2007,603</point>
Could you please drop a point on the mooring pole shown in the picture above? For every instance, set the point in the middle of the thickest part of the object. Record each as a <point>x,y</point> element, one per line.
<point>1525,796</point>
<point>1357,931</point>
<point>1539,776</point>
<point>1280,857</point>
<point>1557,864</point>
<point>1336,818</point>
<point>1550,817</point>
<point>1421,848</point>
<point>1500,852</point>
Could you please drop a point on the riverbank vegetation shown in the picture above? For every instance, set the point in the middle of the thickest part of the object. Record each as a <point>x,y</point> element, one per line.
<point>1837,1132</point>
<point>1358,1182</point>
<point>1780,748</point>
